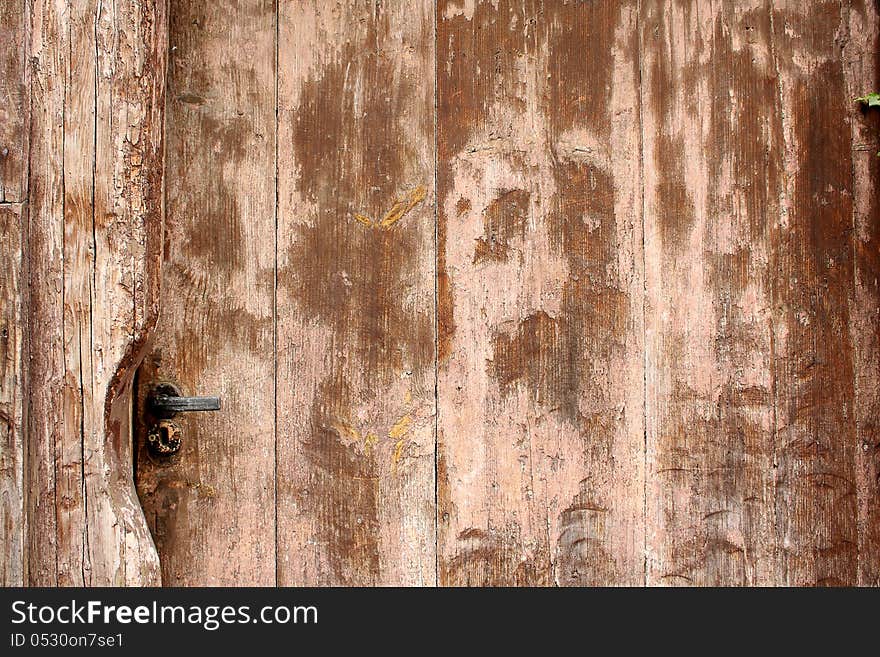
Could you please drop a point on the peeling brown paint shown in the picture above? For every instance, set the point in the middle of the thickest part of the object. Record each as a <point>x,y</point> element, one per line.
<point>356,288</point>
<point>215,334</point>
<point>504,219</point>
<point>341,493</point>
<point>355,293</point>
<point>583,555</point>
<point>494,558</point>
<point>535,313</point>
<point>816,434</point>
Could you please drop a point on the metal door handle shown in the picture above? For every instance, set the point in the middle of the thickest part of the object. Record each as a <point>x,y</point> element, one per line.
<point>166,402</point>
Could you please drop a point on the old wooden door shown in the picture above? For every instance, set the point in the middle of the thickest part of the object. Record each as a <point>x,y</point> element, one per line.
<point>299,286</point>
<point>493,293</point>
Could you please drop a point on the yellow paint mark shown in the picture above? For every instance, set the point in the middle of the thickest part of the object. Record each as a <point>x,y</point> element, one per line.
<point>407,397</point>
<point>400,427</point>
<point>398,451</point>
<point>402,206</point>
<point>203,490</point>
<point>370,441</point>
<point>365,220</point>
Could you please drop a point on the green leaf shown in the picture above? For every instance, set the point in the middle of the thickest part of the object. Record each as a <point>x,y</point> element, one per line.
<point>871,100</point>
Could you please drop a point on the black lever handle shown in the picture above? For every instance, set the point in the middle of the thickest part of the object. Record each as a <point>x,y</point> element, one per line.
<point>166,402</point>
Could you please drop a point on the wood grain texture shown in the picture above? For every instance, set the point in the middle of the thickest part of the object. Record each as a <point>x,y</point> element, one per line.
<point>712,179</point>
<point>632,337</point>
<point>95,199</point>
<point>813,248</point>
<point>14,101</point>
<point>211,507</point>
<point>862,62</point>
<point>14,124</point>
<point>12,386</point>
<point>540,375</point>
<point>355,357</point>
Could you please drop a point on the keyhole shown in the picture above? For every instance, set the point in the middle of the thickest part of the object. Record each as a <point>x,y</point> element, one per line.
<point>164,438</point>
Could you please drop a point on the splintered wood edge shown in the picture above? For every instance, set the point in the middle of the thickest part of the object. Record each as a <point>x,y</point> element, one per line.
<point>100,537</point>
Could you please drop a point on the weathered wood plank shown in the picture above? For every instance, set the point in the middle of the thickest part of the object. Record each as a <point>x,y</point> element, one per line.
<point>862,61</point>
<point>12,386</point>
<point>14,124</point>
<point>816,433</point>
<point>355,293</point>
<point>14,102</point>
<point>540,280</point>
<point>212,507</point>
<point>94,238</point>
<point>712,178</point>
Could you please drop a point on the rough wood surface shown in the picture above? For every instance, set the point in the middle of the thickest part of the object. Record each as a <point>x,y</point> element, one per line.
<point>862,61</point>
<point>14,101</point>
<point>97,97</point>
<point>812,260</point>
<point>12,386</point>
<point>632,337</point>
<point>712,179</point>
<point>540,374</point>
<point>355,347</point>
<point>211,507</point>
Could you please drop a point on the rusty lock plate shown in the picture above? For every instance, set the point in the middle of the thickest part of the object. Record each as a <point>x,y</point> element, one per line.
<point>165,401</point>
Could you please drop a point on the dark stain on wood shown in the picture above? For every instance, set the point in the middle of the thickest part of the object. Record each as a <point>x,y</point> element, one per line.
<point>494,558</point>
<point>347,276</point>
<point>817,524</point>
<point>675,204</point>
<point>342,490</point>
<point>505,219</point>
<point>560,358</point>
<point>445,306</point>
<point>356,242</point>
<point>533,354</point>
<point>580,87</point>
<point>583,558</point>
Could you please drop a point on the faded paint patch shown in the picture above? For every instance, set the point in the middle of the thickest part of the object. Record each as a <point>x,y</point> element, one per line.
<point>537,289</point>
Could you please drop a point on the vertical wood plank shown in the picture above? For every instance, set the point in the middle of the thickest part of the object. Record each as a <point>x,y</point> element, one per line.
<point>94,236</point>
<point>14,124</point>
<point>14,102</point>
<point>816,439</point>
<point>12,386</point>
<point>540,279</point>
<point>211,507</point>
<point>45,303</point>
<point>712,177</point>
<point>862,61</point>
<point>355,303</point>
